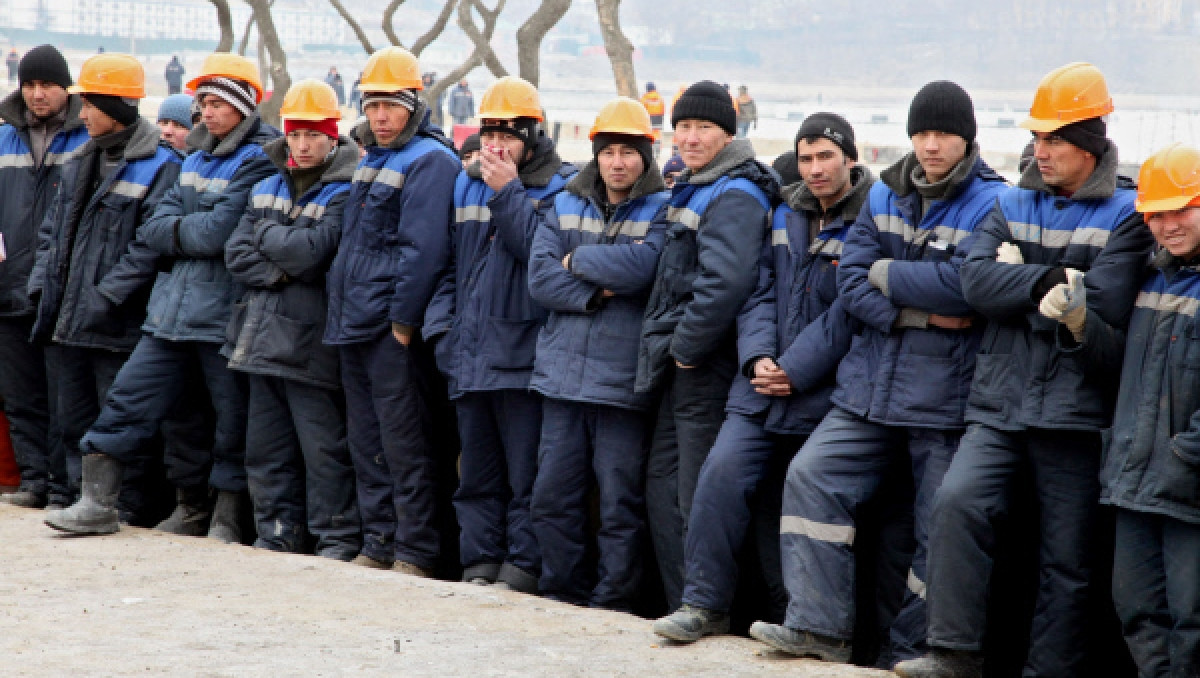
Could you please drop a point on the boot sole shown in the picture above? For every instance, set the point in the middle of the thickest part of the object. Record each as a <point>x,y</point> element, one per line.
<point>81,530</point>
<point>680,636</point>
<point>798,650</point>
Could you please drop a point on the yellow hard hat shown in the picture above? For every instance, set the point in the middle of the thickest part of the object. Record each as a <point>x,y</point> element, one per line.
<point>225,65</point>
<point>1068,94</point>
<point>310,99</point>
<point>510,97</point>
<point>391,69</point>
<point>623,116</point>
<point>1169,180</point>
<point>118,75</point>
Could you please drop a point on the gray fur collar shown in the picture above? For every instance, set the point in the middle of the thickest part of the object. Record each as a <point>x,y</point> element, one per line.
<point>899,176</point>
<point>201,139</point>
<point>1099,186</point>
<point>12,110</point>
<point>406,135</point>
<point>141,145</point>
<point>345,158</point>
<point>800,198</point>
<point>735,153</point>
<point>586,184</point>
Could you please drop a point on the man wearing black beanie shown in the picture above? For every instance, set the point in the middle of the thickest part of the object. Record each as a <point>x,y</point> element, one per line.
<point>717,215</point>
<point>43,129</point>
<point>1055,271</point>
<point>901,387</point>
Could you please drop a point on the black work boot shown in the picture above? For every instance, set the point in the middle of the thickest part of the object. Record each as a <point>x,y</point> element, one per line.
<point>24,499</point>
<point>801,643</point>
<point>191,515</point>
<point>689,624</point>
<point>942,663</point>
<point>226,518</point>
<point>96,510</point>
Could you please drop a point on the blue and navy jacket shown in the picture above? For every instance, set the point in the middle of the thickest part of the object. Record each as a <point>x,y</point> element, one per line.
<point>901,264</point>
<point>1031,372</point>
<point>795,315</point>
<point>280,252</point>
<point>587,352</point>
<point>185,239</point>
<point>25,194</point>
<point>85,233</point>
<point>1153,458</point>
<point>717,219</point>
<point>482,317</point>
<point>395,233</point>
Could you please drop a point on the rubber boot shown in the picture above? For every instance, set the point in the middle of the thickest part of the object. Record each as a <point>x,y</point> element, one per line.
<point>942,663</point>
<point>96,510</point>
<point>191,515</point>
<point>227,518</point>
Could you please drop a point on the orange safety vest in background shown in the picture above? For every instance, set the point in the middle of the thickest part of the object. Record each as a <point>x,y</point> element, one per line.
<point>653,102</point>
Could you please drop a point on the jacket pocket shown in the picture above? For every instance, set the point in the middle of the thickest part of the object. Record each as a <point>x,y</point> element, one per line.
<point>206,306</point>
<point>511,344</point>
<point>98,315</point>
<point>285,341</point>
<point>237,318</point>
<point>992,389</point>
<point>156,308</point>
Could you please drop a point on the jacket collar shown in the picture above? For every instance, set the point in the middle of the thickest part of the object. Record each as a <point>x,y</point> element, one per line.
<point>800,198</point>
<point>416,121</point>
<point>201,139</point>
<point>1101,185</point>
<point>142,144</point>
<point>735,153</point>
<point>899,176</point>
<point>536,173</point>
<point>341,168</point>
<point>587,184</point>
<point>12,110</point>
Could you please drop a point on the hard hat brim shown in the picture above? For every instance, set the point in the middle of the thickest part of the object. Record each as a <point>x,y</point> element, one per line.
<point>1040,125</point>
<point>384,87</point>
<point>311,117</point>
<point>195,83</point>
<point>1163,204</point>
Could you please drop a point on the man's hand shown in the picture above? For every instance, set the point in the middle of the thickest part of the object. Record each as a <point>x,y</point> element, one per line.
<point>1067,303</point>
<point>769,379</point>
<point>402,333</point>
<point>950,322</point>
<point>496,168</point>
<point>684,367</point>
<point>1008,253</point>
<point>566,262</point>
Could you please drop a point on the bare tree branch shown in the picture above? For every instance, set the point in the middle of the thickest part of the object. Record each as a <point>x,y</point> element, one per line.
<point>532,32</point>
<point>435,30</point>
<point>389,14</point>
<point>358,31</point>
<point>281,80</point>
<point>225,21</point>
<point>482,39</point>
<point>246,35</point>
<point>620,50</point>
<point>482,46</point>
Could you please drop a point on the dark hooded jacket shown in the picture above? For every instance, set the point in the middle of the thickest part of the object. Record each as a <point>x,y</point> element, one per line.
<point>87,230</point>
<point>26,190</point>
<point>587,352</point>
<point>716,221</point>
<point>280,253</point>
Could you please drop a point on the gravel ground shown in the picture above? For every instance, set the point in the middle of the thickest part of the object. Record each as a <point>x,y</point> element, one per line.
<point>148,604</point>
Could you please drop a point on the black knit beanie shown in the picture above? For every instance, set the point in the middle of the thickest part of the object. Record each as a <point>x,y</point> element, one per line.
<point>469,144</point>
<point>1089,135</point>
<point>942,106</point>
<point>114,107</point>
<point>829,126</point>
<point>642,145</point>
<point>44,63</point>
<point>706,100</point>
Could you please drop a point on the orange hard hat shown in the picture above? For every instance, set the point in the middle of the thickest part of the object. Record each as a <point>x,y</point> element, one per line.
<point>510,97</point>
<point>118,75</point>
<point>310,99</point>
<point>623,116</point>
<point>226,65</point>
<point>1169,180</point>
<point>391,69</point>
<point>1068,94</point>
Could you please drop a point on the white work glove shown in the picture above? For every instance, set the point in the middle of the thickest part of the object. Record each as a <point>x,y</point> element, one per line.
<point>1066,303</point>
<point>1008,253</point>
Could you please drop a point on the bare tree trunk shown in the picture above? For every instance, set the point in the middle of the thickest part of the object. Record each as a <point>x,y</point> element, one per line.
<point>482,46</point>
<point>225,21</point>
<point>260,50</point>
<point>281,81</point>
<point>482,39</point>
<point>435,30</point>
<point>358,31</point>
<point>620,50</point>
<point>532,32</point>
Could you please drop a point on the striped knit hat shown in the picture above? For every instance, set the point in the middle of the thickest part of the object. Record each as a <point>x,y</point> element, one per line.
<point>237,93</point>
<point>405,97</point>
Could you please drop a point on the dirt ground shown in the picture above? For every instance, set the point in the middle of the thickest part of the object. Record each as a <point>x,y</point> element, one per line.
<point>149,604</point>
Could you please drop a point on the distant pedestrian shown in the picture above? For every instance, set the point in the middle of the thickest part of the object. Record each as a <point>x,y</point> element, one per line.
<point>356,95</point>
<point>12,62</point>
<point>437,108</point>
<point>747,112</point>
<point>334,80</point>
<point>462,103</point>
<point>174,76</point>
